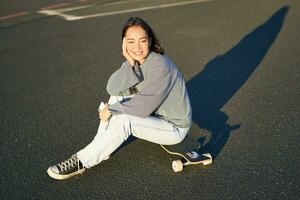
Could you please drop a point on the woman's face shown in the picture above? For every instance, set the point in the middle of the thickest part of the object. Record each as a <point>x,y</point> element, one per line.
<point>137,43</point>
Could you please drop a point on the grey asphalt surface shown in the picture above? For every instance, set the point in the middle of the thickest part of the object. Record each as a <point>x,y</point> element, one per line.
<point>241,63</point>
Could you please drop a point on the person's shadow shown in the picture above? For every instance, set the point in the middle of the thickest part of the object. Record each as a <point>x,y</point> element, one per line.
<point>223,76</point>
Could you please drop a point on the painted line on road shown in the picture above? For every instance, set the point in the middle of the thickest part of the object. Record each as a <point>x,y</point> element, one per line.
<point>13,15</point>
<point>72,17</point>
<point>58,5</point>
<point>61,12</point>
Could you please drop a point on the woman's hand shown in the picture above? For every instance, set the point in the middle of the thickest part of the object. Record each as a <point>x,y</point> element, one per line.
<point>104,114</point>
<point>125,53</point>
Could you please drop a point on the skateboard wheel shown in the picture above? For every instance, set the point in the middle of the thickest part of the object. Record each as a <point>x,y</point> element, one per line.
<point>177,166</point>
<point>209,161</point>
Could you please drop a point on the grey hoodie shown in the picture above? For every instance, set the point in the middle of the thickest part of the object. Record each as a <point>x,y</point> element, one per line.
<point>159,87</point>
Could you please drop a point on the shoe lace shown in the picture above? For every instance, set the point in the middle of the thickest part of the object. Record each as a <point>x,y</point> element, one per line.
<point>68,164</point>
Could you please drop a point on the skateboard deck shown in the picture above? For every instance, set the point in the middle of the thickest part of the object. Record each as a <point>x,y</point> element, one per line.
<point>189,151</point>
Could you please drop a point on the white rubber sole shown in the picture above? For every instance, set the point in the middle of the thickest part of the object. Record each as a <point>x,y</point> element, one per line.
<point>63,177</point>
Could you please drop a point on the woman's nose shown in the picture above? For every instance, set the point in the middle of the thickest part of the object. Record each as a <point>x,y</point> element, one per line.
<point>138,45</point>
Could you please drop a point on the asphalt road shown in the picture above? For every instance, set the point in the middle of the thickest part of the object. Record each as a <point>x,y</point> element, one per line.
<point>241,63</point>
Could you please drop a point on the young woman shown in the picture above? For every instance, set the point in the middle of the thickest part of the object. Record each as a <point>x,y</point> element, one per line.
<point>148,100</point>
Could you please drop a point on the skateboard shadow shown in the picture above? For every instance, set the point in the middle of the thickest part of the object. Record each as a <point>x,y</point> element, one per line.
<point>223,76</point>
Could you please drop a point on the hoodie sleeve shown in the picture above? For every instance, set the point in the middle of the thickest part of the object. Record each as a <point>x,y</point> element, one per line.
<point>123,79</point>
<point>157,87</point>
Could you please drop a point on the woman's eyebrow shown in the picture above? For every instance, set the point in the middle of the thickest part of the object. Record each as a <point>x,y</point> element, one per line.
<point>138,38</point>
<point>142,38</point>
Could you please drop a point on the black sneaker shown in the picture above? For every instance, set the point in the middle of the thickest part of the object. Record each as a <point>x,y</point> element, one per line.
<point>66,169</point>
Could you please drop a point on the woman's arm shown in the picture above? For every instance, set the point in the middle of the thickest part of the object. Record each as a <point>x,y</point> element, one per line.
<point>125,77</point>
<point>157,86</point>
<point>122,79</point>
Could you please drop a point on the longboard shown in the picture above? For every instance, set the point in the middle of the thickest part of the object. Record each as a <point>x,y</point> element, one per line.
<point>189,151</point>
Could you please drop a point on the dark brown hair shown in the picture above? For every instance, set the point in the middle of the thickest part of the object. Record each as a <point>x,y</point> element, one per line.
<point>154,42</point>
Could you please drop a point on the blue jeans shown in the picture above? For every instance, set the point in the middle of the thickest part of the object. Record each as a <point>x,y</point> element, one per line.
<point>112,134</point>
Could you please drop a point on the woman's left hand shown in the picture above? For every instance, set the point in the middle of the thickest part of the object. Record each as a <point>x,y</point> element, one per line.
<point>104,114</point>
<point>126,54</point>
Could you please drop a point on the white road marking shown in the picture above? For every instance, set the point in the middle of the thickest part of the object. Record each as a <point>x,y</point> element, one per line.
<point>60,12</point>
